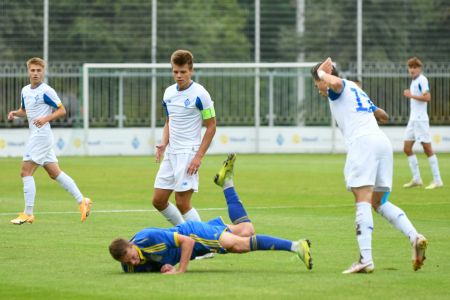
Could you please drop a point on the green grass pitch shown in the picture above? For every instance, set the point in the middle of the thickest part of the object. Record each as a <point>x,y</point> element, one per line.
<point>290,196</point>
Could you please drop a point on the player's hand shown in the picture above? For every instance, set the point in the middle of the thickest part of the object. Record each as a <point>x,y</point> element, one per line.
<point>168,269</point>
<point>194,166</point>
<point>11,115</point>
<point>407,93</point>
<point>39,122</point>
<point>326,66</point>
<point>159,152</point>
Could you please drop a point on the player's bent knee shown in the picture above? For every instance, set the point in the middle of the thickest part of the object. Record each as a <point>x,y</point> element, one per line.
<point>159,204</point>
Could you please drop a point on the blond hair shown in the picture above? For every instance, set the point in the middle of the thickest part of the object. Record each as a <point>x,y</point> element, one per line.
<point>415,62</point>
<point>182,57</point>
<point>36,61</point>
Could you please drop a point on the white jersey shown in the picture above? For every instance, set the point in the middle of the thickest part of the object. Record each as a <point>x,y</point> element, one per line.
<point>353,111</point>
<point>39,102</point>
<point>184,110</point>
<point>419,86</point>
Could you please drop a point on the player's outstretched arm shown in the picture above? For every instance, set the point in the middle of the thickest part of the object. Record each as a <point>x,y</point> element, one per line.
<point>187,245</point>
<point>16,114</point>
<point>381,116</point>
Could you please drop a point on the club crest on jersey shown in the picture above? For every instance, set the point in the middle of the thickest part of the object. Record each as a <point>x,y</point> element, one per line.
<point>187,102</point>
<point>36,99</point>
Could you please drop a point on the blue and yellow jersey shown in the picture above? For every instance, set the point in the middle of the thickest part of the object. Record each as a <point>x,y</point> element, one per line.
<point>159,246</point>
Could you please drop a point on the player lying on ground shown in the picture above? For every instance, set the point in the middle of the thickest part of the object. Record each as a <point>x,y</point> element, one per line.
<point>159,250</point>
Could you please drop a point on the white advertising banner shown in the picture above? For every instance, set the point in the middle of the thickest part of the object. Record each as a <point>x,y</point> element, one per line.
<point>139,141</point>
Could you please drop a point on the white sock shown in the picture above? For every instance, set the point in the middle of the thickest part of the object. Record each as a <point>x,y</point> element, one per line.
<point>192,215</point>
<point>227,183</point>
<point>397,217</point>
<point>414,166</point>
<point>69,185</point>
<point>172,214</point>
<point>435,168</point>
<point>364,228</point>
<point>29,193</point>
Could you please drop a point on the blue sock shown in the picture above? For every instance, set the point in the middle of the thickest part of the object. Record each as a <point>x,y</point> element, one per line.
<point>266,242</point>
<point>236,210</point>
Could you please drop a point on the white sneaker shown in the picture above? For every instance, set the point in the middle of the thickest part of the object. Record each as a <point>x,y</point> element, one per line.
<point>413,183</point>
<point>206,256</point>
<point>434,185</point>
<point>418,251</point>
<point>359,267</point>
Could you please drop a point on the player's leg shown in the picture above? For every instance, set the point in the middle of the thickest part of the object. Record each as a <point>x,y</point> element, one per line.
<point>29,192</point>
<point>237,244</point>
<point>398,218</point>
<point>184,205</point>
<point>242,225</point>
<point>163,188</point>
<point>434,165</point>
<point>413,165</point>
<point>70,186</point>
<point>360,176</point>
<point>364,229</point>
<point>185,185</point>
<point>167,209</point>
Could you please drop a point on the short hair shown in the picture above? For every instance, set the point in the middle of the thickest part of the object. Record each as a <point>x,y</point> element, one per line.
<point>118,248</point>
<point>415,62</point>
<point>36,61</point>
<point>182,57</point>
<point>316,67</point>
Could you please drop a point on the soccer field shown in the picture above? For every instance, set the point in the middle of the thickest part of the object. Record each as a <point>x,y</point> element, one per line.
<point>289,196</point>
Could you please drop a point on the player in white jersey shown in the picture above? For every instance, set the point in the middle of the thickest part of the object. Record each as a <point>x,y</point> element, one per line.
<point>369,164</point>
<point>41,105</point>
<point>418,128</point>
<point>188,106</point>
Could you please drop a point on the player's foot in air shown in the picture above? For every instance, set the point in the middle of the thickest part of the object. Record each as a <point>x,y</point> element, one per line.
<point>418,251</point>
<point>85,208</point>
<point>413,183</point>
<point>435,185</point>
<point>23,218</point>
<point>304,252</point>
<point>226,172</point>
<point>359,267</point>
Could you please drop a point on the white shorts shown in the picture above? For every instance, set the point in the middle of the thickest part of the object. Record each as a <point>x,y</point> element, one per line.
<point>418,131</point>
<point>172,174</point>
<point>39,149</point>
<point>370,163</point>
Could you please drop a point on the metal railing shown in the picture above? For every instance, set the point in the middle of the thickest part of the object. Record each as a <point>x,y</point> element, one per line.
<point>122,97</point>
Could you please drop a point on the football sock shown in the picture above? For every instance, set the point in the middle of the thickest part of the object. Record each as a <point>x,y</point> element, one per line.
<point>266,242</point>
<point>236,210</point>
<point>69,185</point>
<point>29,193</point>
<point>414,166</point>
<point>397,217</point>
<point>435,168</point>
<point>192,215</point>
<point>364,228</point>
<point>227,183</point>
<point>172,214</point>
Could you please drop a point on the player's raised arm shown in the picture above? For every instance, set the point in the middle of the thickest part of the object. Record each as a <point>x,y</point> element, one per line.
<point>325,73</point>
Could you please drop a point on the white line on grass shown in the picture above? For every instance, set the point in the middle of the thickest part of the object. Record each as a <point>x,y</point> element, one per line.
<point>222,208</point>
